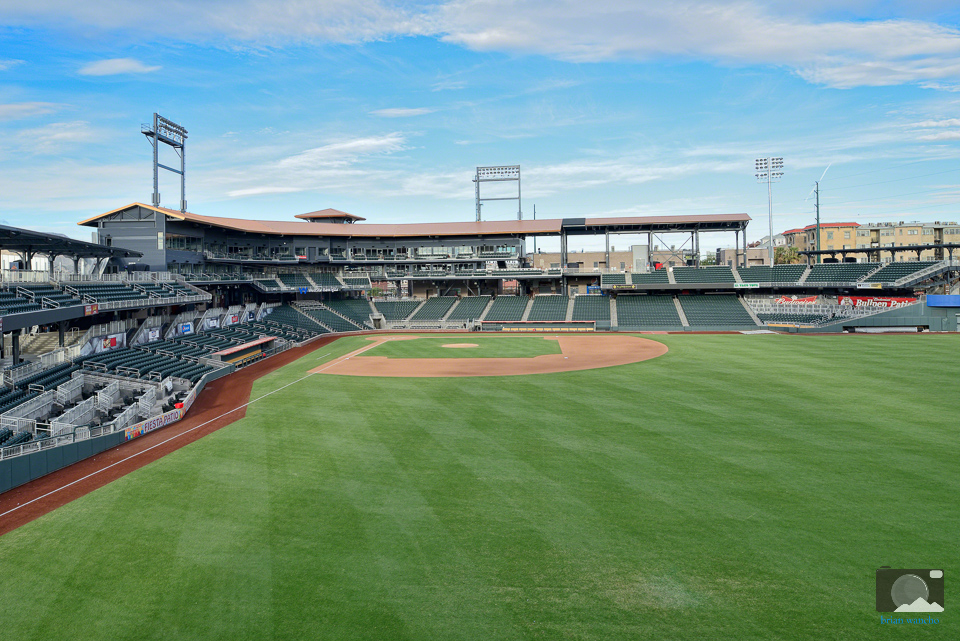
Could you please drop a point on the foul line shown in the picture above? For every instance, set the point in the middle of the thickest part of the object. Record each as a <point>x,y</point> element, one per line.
<point>196,427</point>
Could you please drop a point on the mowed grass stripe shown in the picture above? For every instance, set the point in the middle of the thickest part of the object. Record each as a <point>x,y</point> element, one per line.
<point>736,487</point>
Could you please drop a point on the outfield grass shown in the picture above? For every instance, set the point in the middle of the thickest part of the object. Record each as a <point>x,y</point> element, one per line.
<point>739,487</point>
<point>488,347</point>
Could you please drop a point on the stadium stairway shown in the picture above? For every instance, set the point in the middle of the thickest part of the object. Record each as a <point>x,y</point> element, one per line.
<point>753,314</point>
<point>671,279</point>
<point>569,315</point>
<point>683,317</point>
<point>613,312</point>
<point>486,309</point>
<point>806,273</point>
<point>526,311</point>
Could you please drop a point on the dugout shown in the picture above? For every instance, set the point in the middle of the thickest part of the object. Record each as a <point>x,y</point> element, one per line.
<point>247,353</point>
<point>539,326</point>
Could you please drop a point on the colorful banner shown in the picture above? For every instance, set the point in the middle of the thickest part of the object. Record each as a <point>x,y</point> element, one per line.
<point>212,323</point>
<point>90,310</point>
<point>186,328</point>
<point>153,334</point>
<point>746,285</point>
<point>154,423</point>
<point>796,300</point>
<point>875,301</point>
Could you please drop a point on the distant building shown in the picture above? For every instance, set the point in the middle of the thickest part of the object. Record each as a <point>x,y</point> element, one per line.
<point>852,236</point>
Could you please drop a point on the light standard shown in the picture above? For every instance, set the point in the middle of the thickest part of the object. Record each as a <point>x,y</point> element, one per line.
<point>770,170</point>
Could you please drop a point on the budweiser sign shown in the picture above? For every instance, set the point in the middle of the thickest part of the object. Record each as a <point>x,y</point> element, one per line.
<point>875,301</point>
<point>796,300</point>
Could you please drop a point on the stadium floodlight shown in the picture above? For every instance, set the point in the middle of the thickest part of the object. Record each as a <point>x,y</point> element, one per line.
<point>173,135</point>
<point>499,173</point>
<point>770,170</point>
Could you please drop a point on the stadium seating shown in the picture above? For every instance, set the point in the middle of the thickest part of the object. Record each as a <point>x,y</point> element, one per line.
<point>293,281</point>
<point>714,310</point>
<point>395,310</point>
<point>52,293</point>
<point>331,320</point>
<point>895,271</point>
<point>270,283</point>
<point>507,308</point>
<point>784,317</point>
<point>356,309</point>
<point>613,279</point>
<point>325,279</point>
<point>839,272</point>
<point>550,307</point>
<point>651,311</point>
<point>295,322</point>
<point>595,308</point>
<point>652,278</point>
<point>10,303</point>
<point>775,274</point>
<point>469,308</point>
<point>108,292</point>
<point>713,274</point>
<point>434,309</point>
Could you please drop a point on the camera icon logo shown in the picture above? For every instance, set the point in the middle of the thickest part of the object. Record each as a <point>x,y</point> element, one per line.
<point>909,590</point>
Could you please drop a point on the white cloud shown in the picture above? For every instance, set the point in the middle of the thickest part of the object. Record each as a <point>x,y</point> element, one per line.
<point>948,122</point>
<point>943,135</point>
<point>400,112</point>
<point>16,110</point>
<point>8,64</point>
<point>115,66</point>
<point>54,137</point>
<point>337,165</point>
<point>838,53</point>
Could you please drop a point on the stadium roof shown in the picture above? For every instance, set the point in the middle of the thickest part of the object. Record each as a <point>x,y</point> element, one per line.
<point>17,239</point>
<point>542,227</point>
<point>329,214</point>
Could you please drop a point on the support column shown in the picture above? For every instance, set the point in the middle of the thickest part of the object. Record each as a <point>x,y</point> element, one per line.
<point>745,264</point>
<point>697,248</point>
<point>736,248</point>
<point>61,330</point>
<point>15,345</point>
<point>607,259</point>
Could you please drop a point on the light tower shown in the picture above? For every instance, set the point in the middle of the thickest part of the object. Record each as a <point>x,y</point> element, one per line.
<point>174,135</point>
<point>770,170</point>
<point>501,173</point>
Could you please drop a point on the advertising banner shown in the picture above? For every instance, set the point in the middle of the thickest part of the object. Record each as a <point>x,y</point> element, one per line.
<point>186,328</point>
<point>875,301</point>
<point>153,334</point>
<point>152,424</point>
<point>107,343</point>
<point>796,300</point>
<point>90,310</point>
<point>212,323</point>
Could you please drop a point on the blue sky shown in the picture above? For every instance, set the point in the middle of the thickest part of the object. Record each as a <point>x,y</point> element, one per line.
<point>384,109</point>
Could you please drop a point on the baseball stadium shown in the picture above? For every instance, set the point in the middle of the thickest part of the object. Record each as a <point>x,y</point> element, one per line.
<point>225,428</point>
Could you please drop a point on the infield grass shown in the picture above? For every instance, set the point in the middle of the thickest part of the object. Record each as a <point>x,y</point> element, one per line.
<point>486,347</point>
<point>738,487</point>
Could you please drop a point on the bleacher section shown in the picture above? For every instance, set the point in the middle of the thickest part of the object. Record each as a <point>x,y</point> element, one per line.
<point>52,293</point>
<point>357,310</point>
<point>895,271</point>
<point>839,272</point>
<point>108,292</point>
<point>434,309</point>
<point>269,283</point>
<point>717,274</point>
<point>357,282</point>
<point>331,320</point>
<point>775,274</point>
<point>294,322</point>
<point>141,363</point>
<point>722,310</point>
<point>650,311</point>
<point>469,308</point>
<point>396,310</point>
<point>295,281</point>
<point>612,279</point>
<point>325,279</point>
<point>10,303</point>
<point>595,308</point>
<point>50,378</point>
<point>507,308</point>
<point>801,319</point>
<point>652,278</point>
<point>551,307</point>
